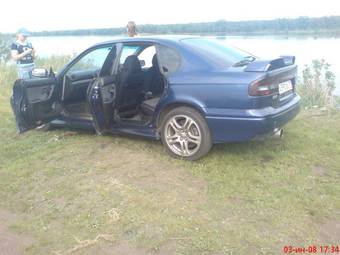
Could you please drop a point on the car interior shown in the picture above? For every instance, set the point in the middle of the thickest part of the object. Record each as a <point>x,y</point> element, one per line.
<point>137,83</point>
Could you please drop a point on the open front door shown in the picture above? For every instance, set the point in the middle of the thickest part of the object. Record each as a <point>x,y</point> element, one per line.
<point>35,102</point>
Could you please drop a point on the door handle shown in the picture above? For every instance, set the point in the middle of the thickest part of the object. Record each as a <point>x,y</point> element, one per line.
<point>46,91</point>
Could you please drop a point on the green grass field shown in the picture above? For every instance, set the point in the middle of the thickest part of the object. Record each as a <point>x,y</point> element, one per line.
<point>79,193</point>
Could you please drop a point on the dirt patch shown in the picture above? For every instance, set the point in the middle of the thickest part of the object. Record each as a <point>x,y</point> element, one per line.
<point>64,135</point>
<point>319,171</point>
<point>105,248</point>
<point>11,243</point>
<point>168,248</point>
<point>329,232</point>
<point>125,248</point>
<point>266,159</point>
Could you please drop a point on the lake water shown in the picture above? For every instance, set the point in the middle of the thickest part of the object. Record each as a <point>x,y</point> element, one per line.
<point>304,48</point>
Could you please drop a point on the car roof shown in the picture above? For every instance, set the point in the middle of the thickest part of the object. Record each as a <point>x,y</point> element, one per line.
<point>154,39</point>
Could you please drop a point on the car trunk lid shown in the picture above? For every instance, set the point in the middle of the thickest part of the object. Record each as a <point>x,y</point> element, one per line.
<point>278,83</point>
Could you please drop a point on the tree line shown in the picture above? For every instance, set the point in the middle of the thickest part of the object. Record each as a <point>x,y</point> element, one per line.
<point>328,24</point>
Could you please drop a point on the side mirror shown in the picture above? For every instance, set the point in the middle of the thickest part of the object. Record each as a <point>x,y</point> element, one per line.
<point>39,73</point>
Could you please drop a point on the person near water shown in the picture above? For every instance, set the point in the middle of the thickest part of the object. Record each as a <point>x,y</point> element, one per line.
<point>23,53</point>
<point>132,30</point>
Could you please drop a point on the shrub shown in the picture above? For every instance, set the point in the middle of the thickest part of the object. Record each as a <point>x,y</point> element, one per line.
<point>8,72</point>
<point>54,61</point>
<point>318,84</point>
<point>4,48</point>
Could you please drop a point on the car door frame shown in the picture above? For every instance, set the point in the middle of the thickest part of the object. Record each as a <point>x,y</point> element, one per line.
<point>101,94</point>
<point>102,121</point>
<point>63,72</point>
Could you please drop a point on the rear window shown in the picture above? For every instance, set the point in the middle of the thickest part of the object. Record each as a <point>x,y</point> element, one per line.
<point>215,52</point>
<point>169,59</point>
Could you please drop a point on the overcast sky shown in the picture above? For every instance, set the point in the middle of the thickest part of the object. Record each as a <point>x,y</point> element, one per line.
<point>37,15</point>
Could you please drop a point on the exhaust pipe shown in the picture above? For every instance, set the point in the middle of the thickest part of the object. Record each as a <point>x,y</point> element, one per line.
<point>278,133</point>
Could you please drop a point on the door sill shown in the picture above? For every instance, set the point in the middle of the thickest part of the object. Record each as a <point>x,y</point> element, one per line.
<point>135,123</point>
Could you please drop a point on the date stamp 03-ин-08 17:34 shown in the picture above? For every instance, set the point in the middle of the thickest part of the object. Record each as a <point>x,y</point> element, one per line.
<point>312,249</point>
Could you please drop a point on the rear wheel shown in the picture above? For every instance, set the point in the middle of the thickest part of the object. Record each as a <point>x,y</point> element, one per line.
<point>185,134</point>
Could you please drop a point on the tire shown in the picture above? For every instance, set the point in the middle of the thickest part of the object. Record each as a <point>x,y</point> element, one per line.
<point>185,133</point>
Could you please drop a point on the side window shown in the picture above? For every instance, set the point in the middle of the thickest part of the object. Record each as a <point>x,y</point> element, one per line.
<point>128,50</point>
<point>146,56</point>
<point>169,59</point>
<point>93,60</point>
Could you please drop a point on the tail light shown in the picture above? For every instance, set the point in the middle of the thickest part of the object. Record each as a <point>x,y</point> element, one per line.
<point>262,88</point>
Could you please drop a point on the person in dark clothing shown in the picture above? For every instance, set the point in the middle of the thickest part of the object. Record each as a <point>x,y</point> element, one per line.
<point>23,53</point>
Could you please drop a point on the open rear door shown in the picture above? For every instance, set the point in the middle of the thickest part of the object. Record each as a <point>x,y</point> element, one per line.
<point>35,102</point>
<point>101,98</point>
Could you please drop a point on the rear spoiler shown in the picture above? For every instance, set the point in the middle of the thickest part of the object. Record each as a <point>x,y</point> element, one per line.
<point>269,65</point>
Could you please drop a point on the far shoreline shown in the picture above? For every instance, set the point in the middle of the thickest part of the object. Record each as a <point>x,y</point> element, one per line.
<point>283,34</point>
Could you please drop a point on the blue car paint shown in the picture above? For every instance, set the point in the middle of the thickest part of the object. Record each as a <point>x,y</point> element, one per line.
<point>221,96</point>
<point>244,125</point>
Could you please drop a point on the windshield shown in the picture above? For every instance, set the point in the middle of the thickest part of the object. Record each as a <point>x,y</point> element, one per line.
<point>218,53</point>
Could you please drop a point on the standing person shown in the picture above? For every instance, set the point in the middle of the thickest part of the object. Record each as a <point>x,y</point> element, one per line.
<point>23,53</point>
<point>131,28</point>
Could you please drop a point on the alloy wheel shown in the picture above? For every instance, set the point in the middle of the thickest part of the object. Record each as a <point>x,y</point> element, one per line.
<point>182,135</point>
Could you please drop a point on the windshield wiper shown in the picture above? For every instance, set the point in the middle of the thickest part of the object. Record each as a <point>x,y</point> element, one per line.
<point>246,60</point>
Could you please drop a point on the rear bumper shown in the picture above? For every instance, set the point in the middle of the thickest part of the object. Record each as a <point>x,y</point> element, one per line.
<point>228,125</point>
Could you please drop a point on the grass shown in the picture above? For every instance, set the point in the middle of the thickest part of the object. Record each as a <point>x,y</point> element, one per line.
<point>78,193</point>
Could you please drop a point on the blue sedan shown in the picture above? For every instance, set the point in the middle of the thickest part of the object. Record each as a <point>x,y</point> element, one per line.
<point>190,92</point>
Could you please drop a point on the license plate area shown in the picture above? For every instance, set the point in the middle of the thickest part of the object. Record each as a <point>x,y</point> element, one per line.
<point>285,88</point>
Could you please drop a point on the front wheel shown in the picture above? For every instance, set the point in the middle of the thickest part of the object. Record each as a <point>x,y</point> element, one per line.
<point>185,134</point>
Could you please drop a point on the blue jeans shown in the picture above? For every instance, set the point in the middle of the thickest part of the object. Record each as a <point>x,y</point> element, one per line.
<point>24,70</point>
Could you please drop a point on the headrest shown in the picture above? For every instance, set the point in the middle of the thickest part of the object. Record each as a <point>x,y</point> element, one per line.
<point>132,64</point>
